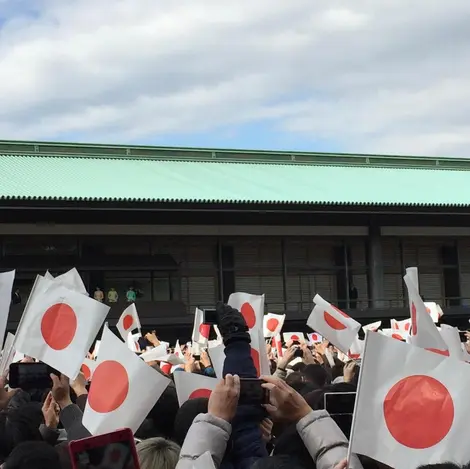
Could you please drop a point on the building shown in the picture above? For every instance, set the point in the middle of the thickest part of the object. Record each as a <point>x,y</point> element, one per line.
<point>186,227</point>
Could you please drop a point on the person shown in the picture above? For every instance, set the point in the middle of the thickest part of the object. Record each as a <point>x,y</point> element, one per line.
<point>353,295</point>
<point>16,297</point>
<point>113,296</point>
<point>98,295</point>
<point>131,295</point>
<point>158,453</point>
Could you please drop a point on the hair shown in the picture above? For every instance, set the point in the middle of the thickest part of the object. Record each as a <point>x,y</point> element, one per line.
<point>158,453</point>
<point>33,455</point>
<point>295,380</point>
<point>163,414</point>
<point>316,375</point>
<point>185,416</point>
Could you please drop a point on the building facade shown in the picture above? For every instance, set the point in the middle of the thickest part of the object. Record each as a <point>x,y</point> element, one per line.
<point>187,227</point>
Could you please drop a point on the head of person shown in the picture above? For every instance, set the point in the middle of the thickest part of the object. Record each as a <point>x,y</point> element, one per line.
<point>158,453</point>
<point>315,374</point>
<point>185,416</point>
<point>33,455</point>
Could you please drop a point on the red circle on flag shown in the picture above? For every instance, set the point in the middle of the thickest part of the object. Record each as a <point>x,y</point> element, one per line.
<point>127,322</point>
<point>439,352</point>
<point>407,326</point>
<point>333,322</point>
<point>166,368</point>
<point>58,326</point>
<point>295,337</point>
<point>397,336</point>
<point>272,324</point>
<point>204,330</point>
<point>314,337</point>
<point>249,314</point>
<point>86,372</point>
<point>109,388</point>
<point>418,411</point>
<point>200,393</point>
<point>256,362</point>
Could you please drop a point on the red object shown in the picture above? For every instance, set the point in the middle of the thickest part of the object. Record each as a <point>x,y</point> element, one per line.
<point>118,450</point>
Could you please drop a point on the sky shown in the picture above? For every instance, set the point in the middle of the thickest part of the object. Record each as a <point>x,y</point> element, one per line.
<point>370,76</point>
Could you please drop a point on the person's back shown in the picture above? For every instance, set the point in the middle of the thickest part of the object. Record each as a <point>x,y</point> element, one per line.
<point>158,453</point>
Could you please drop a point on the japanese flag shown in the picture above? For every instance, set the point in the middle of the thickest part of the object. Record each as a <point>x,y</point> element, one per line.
<point>58,326</point>
<point>191,386</point>
<point>333,324</point>
<point>424,332</point>
<point>276,343</point>
<point>201,331</point>
<point>123,390</point>
<point>272,324</point>
<point>217,356</point>
<point>252,309</point>
<point>402,329</point>
<point>434,310</point>
<point>70,280</point>
<point>8,353</point>
<point>373,327</point>
<point>6,287</point>
<point>178,352</point>
<point>128,321</point>
<point>294,336</point>
<point>412,406</point>
<point>88,368</point>
<point>357,349</point>
<point>314,338</point>
<point>154,354</point>
<point>451,337</point>
<point>133,341</point>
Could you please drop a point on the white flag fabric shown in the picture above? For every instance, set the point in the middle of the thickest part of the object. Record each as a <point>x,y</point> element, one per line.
<point>192,386</point>
<point>6,287</point>
<point>201,331</point>
<point>58,327</point>
<point>8,354</point>
<point>133,341</point>
<point>372,327</point>
<point>314,338</point>
<point>252,309</point>
<point>451,337</point>
<point>70,280</point>
<point>123,389</point>
<point>412,405</point>
<point>357,349</point>
<point>424,332</point>
<point>154,354</point>
<point>128,321</point>
<point>88,368</point>
<point>294,337</point>
<point>333,324</point>
<point>402,329</point>
<point>272,324</point>
<point>434,310</point>
<point>217,356</point>
<point>204,461</point>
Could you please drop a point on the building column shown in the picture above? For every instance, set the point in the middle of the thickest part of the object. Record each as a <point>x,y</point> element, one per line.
<point>375,271</point>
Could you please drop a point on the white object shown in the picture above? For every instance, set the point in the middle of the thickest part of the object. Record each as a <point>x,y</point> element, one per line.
<point>451,337</point>
<point>191,386</point>
<point>6,287</point>
<point>424,332</point>
<point>200,330</point>
<point>123,390</point>
<point>204,461</point>
<point>357,348</point>
<point>412,406</point>
<point>128,321</point>
<point>372,327</point>
<point>8,353</point>
<point>272,324</point>
<point>314,338</point>
<point>434,310</point>
<point>217,356</point>
<point>70,280</point>
<point>154,354</point>
<point>333,324</point>
<point>58,327</point>
<point>294,336</point>
<point>133,341</point>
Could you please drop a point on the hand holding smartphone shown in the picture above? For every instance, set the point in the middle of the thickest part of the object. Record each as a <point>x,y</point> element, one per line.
<point>27,376</point>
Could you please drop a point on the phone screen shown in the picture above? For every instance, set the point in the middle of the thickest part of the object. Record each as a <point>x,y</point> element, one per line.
<point>118,455</point>
<point>27,376</point>
<point>252,393</point>
<point>339,403</point>
<point>210,316</point>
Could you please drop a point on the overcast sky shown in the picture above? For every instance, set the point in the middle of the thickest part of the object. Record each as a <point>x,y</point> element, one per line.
<point>384,76</point>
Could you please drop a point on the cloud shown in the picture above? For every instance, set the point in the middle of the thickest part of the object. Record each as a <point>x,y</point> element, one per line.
<point>387,77</point>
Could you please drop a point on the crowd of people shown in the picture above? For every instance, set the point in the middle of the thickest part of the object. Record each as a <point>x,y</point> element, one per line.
<point>290,430</point>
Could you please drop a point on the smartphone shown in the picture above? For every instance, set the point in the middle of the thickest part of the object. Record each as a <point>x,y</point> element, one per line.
<point>252,393</point>
<point>114,450</point>
<point>339,403</point>
<point>27,376</point>
<point>299,353</point>
<point>209,316</point>
<point>463,337</point>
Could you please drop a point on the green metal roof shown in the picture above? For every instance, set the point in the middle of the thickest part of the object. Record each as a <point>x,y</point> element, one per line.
<point>58,171</point>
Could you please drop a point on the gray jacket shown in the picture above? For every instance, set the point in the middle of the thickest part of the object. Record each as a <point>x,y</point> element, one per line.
<point>321,435</point>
